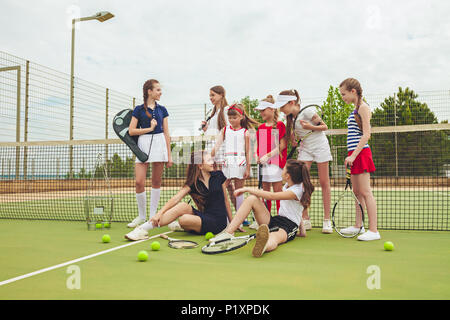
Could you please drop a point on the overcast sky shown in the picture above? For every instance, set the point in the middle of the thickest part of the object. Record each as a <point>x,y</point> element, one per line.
<point>252,48</point>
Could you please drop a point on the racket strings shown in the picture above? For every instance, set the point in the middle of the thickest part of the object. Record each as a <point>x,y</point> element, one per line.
<point>183,244</point>
<point>346,213</point>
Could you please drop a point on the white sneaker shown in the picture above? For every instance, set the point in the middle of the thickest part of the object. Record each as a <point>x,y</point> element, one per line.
<point>369,235</point>
<point>175,226</point>
<point>136,222</point>
<point>221,236</point>
<point>307,224</point>
<point>326,227</point>
<point>351,230</point>
<point>254,225</point>
<point>137,234</point>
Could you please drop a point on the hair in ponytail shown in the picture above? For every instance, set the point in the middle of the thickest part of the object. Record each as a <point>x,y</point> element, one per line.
<point>247,122</point>
<point>148,85</point>
<point>221,122</point>
<point>290,117</point>
<point>193,175</point>
<point>349,84</point>
<point>299,173</point>
<point>276,113</point>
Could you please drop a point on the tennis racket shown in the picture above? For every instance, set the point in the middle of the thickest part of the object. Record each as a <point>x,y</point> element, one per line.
<point>318,110</point>
<point>346,209</point>
<point>180,244</point>
<point>228,245</point>
<point>209,116</point>
<point>260,183</point>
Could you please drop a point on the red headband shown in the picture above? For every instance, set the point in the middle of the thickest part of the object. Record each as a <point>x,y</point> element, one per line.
<point>238,110</point>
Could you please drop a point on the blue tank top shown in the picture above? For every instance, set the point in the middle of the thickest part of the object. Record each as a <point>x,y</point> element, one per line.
<point>354,133</point>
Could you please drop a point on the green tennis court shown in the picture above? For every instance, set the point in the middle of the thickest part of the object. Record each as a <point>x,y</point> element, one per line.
<point>316,267</point>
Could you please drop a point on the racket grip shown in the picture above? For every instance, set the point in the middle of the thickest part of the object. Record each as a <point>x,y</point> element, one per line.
<point>164,236</point>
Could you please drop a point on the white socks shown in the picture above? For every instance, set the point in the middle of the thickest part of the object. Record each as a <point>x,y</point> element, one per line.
<point>154,201</point>
<point>141,199</point>
<point>147,226</point>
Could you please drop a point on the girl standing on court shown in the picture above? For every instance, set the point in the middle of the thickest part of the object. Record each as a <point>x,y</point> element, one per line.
<point>360,156</point>
<point>150,122</point>
<point>272,147</point>
<point>207,189</point>
<point>295,196</point>
<point>236,139</point>
<point>314,148</point>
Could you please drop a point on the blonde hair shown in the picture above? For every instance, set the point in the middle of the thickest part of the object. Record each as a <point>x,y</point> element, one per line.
<point>290,118</point>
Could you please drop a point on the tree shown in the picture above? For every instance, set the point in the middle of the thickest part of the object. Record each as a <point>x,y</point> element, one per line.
<point>421,153</point>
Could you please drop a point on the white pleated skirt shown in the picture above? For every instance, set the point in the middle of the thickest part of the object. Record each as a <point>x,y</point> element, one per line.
<point>156,145</point>
<point>271,173</point>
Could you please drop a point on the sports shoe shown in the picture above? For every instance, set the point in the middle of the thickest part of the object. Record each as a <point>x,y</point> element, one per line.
<point>136,222</point>
<point>175,226</point>
<point>221,236</point>
<point>369,235</point>
<point>351,230</point>
<point>254,225</point>
<point>262,238</point>
<point>137,234</point>
<point>326,227</point>
<point>307,224</point>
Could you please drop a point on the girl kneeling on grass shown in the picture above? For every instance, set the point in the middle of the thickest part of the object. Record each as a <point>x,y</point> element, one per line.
<point>295,196</point>
<point>208,190</point>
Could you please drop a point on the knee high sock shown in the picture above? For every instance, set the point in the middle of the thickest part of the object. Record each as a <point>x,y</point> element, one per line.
<point>154,201</point>
<point>141,199</point>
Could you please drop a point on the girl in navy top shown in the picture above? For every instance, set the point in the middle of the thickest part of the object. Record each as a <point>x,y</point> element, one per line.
<point>360,156</point>
<point>150,123</point>
<point>208,190</point>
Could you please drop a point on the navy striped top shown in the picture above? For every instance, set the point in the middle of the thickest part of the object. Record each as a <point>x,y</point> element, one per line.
<point>354,133</point>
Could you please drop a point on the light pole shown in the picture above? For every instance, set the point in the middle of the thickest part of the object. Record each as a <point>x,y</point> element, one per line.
<point>100,16</point>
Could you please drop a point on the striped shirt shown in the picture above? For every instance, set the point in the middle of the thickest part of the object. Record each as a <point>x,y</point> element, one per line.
<point>354,133</point>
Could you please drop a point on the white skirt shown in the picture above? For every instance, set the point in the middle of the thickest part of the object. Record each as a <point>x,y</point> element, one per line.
<point>234,167</point>
<point>156,144</point>
<point>271,173</point>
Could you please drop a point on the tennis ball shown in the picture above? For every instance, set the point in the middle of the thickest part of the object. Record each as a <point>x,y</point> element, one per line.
<point>142,255</point>
<point>209,235</point>
<point>156,245</point>
<point>106,238</point>
<point>107,225</point>
<point>98,226</point>
<point>388,246</point>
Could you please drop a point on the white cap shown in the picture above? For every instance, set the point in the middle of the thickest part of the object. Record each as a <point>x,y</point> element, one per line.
<point>283,99</point>
<point>264,105</point>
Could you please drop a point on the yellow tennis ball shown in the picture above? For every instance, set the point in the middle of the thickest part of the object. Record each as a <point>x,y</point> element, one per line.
<point>209,235</point>
<point>142,255</point>
<point>106,238</point>
<point>388,246</point>
<point>156,245</point>
<point>98,226</point>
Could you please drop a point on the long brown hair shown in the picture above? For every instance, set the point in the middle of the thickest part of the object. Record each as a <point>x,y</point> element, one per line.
<point>193,175</point>
<point>222,104</point>
<point>349,84</point>
<point>276,113</point>
<point>148,85</point>
<point>290,118</point>
<point>299,173</point>
<point>247,122</point>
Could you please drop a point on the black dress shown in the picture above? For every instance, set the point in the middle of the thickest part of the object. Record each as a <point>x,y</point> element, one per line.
<point>214,216</point>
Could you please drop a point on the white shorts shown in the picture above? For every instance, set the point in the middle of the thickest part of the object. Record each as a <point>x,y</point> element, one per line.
<point>158,148</point>
<point>317,154</point>
<point>271,173</point>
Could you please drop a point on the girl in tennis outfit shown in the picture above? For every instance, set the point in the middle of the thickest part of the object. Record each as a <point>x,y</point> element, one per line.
<point>236,139</point>
<point>314,148</point>
<point>295,196</point>
<point>271,148</point>
<point>208,190</point>
<point>360,156</point>
<point>150,123</point>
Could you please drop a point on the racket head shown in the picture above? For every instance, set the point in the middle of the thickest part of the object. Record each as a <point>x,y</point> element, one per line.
<point>346,211</point>
<point>182,244</point>
<point>225,246</point>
